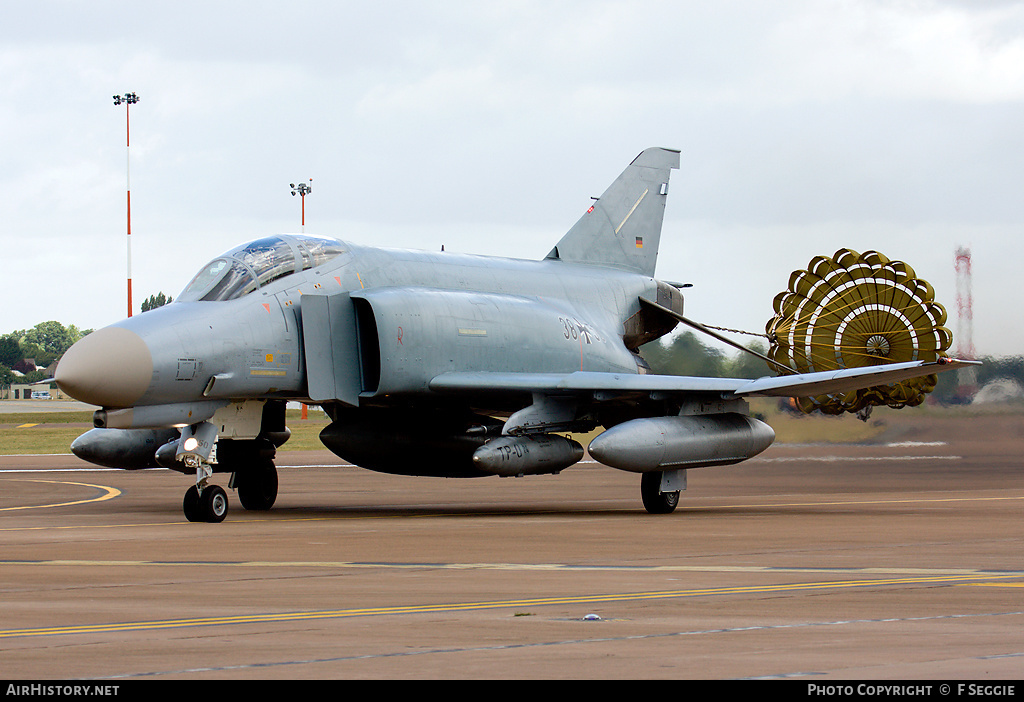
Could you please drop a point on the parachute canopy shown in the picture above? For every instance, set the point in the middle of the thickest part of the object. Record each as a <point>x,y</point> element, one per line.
<point>854,310</point>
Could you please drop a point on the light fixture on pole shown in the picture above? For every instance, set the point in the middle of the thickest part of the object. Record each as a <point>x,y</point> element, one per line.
<point>302,190</point>
<point>128,99</point>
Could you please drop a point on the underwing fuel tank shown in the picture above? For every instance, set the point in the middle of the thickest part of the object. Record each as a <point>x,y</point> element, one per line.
<point>668,443</point>
<point>130,449</point>
<point>527,455</point>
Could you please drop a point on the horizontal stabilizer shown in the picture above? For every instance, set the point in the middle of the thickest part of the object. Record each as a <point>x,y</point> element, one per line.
<point>847,379</point>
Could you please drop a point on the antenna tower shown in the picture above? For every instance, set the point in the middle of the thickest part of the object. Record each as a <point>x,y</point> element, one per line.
<point>966,377</point>
<point>965,321</point>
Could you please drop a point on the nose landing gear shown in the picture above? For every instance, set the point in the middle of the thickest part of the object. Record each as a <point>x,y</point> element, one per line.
<point>210,505</point>
<point>249,461</point>
<point>203,502</point>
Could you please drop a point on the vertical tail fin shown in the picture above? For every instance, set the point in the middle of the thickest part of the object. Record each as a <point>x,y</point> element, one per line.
<point>623,228</point>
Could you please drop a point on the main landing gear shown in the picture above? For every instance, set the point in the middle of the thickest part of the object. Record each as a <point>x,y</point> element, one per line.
<point>256,484</point>
<point>659,490</point>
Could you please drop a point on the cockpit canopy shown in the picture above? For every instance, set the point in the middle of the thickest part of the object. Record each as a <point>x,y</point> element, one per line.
<point>249,267</point>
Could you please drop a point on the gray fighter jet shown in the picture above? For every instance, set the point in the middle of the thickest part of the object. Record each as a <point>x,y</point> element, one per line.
<point>428,363</point>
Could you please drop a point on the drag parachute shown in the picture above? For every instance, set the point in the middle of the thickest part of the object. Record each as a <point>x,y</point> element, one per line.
<point>854,310</point>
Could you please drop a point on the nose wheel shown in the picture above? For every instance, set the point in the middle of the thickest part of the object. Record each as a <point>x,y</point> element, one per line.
<point>210,505</point>
<point>204,502</point>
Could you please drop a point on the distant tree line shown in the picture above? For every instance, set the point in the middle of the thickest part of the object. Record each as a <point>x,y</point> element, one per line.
<point>154,301</point>
<point>948,388</point>
<point>686,354</point>
<point>24,349</point>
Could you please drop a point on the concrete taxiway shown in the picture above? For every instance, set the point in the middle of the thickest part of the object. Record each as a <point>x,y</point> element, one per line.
<point>897,559</point>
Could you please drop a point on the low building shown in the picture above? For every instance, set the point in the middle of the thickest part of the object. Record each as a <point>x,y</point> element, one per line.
<point>25,391</point>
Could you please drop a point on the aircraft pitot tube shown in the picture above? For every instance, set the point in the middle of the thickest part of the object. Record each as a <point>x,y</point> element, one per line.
<point>854,310</point>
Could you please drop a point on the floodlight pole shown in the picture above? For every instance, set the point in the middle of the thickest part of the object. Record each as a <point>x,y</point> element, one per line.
<point>128,99</point>
<point>302,190</point>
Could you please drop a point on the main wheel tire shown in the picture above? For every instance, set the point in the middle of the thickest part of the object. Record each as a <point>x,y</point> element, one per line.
<point>656,501</point>
<point>213,504</point>
<point>190,505</point>
<point>257,486</point>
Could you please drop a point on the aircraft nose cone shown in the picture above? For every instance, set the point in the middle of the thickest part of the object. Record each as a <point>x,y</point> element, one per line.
<point>111,367</point>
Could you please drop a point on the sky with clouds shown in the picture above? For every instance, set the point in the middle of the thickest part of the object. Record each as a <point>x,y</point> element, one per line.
<point>804,126</point>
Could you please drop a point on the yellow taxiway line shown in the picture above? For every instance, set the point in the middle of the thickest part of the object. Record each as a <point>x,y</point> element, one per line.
<point>108,493</point>
<point>268,618</point>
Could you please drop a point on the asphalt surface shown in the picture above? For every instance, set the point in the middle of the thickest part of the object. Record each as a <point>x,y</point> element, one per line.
<point>12,406</point>
<point>902,559</point>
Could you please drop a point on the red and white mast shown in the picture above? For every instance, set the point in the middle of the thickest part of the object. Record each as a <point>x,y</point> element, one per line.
<point>128,99</point>
<point>966,377</point>
<point>964,305</point>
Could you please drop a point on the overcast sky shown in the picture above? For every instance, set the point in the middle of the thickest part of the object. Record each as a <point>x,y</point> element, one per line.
<point>804,125</point>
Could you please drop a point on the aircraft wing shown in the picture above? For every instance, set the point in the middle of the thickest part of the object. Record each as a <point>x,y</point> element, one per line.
<point>797,385</point>
<point>580,382</point>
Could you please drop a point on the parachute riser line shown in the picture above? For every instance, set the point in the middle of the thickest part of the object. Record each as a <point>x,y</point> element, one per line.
<point>725,340</point>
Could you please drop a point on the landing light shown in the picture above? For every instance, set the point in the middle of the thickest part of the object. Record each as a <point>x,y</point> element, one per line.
<point>191,443</point>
